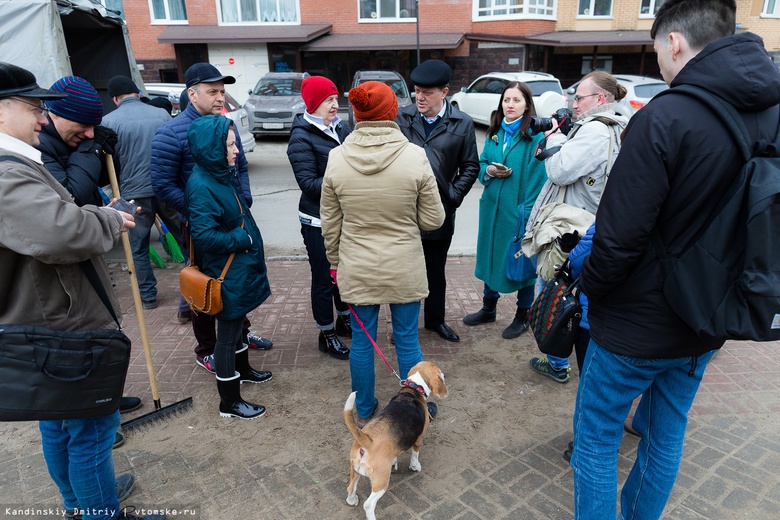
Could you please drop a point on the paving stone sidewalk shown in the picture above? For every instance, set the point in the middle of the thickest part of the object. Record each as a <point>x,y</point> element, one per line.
<point>201,468</point>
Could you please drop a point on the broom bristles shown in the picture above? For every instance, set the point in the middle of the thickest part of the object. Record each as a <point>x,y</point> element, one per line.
<point>156,258</point>
<point>174,249</point>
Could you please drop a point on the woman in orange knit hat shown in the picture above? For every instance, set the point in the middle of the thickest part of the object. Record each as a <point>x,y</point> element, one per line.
<point>378,193</point>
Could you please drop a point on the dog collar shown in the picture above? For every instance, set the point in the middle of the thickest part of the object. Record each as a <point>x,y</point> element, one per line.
<point>415,382</point>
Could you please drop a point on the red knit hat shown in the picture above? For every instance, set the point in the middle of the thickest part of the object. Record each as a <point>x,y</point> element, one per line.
<point>315,90</point>
<point>373,101</point>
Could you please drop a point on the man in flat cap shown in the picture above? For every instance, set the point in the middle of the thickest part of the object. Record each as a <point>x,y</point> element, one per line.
<point>43,239</point>
<point>172,164</point>
<point>136,123</point>
<point>447,135</point>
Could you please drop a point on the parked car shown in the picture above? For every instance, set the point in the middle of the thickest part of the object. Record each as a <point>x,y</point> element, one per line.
<point>390,78</point>
<point>640,90</point>
<point>480,99</point>
<point>232,109</point>
<point>274,103</point>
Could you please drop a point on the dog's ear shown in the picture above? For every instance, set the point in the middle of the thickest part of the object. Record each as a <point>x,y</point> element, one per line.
<point>438,388</point>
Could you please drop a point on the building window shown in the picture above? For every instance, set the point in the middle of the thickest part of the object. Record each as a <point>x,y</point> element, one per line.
<point>258,11</point>
<point>387,10</point>
<point>648,8</point>
<point>595,8</point>
<point>514,9</point>
<point>168,11</point>
<point>771,8</point>
<point>601,63</point>
<point>114,7</point>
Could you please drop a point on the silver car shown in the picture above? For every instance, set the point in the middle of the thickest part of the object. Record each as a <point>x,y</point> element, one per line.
<point>639,91</point>
<point>274,103</point>
<point>232,109</point>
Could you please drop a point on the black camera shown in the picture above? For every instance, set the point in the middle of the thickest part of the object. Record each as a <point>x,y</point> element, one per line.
<point>541,124</point>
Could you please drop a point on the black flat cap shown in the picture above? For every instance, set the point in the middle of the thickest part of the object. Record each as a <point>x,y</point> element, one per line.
<point>16,81</point>
<point>205,73</point>
<point>120,85</point>
<point>431,73</point>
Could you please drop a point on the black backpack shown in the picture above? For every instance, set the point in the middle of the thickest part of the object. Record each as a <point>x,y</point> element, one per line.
<point>726,283</point>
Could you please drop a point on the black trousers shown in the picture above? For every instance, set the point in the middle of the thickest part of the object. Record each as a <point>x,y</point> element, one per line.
<point>435,252</point>
<point>323,293</point>
<point>204,326</point>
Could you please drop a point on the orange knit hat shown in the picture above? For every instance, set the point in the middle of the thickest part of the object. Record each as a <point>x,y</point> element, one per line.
<point>373,101</point>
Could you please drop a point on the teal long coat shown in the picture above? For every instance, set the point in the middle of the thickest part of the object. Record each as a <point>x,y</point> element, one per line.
<point>499,207</point>
<point>215,221</point>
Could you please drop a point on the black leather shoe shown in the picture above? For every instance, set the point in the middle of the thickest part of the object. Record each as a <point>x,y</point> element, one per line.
<point>331,344</point>
<point>128,404</point>
<point>344,325</point>
<point>119,439</point>
<point>445,332</point>
<point>432,409</point>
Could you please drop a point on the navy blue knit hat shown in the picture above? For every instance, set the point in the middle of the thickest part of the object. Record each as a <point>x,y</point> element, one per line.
<point>83,104</point>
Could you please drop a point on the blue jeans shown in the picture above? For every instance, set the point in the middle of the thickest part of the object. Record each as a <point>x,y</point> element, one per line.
<point>609,384</point>
<point>139,241</point>
<point>78,457</point>
<point>405,318</point>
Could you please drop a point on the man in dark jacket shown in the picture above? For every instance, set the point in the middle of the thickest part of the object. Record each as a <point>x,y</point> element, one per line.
<point>72,146</point>
<point>677,159</point>
<point>135,122</point>
<point>448,137</point>
<point>171,166</point>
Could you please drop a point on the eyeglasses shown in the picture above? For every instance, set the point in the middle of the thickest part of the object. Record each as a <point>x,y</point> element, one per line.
<point>42,106</point>
<point>577,99</point>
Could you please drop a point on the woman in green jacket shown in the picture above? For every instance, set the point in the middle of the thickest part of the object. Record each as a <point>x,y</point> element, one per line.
<point>221,225</point>
<point>512,178</point>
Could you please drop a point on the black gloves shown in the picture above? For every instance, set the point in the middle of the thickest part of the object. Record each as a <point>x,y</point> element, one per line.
<point>104,141</point>
<point>567,241</point>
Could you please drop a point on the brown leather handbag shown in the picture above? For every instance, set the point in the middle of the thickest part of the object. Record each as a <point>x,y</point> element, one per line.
<point>202,292</point>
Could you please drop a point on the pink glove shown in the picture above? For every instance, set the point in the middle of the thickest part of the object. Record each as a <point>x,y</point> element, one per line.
<point>333,273</point>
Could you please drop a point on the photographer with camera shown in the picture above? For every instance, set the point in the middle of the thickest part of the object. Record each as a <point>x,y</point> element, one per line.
<point>578,158</point>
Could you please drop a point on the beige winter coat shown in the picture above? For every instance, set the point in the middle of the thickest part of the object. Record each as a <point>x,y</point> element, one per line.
<point>377,194</point>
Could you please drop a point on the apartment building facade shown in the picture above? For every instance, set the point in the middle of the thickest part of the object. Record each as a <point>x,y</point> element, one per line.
<point>335,38</point>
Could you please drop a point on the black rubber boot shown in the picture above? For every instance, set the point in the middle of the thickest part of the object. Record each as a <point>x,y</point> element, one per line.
<point>331,344</point>
<point>231,404</point>
<point>518,325</point>
<point>247,373</point>
<point>487,314</point>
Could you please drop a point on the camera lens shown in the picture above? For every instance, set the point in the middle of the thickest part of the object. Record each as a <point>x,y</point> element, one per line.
<point>540,124</point>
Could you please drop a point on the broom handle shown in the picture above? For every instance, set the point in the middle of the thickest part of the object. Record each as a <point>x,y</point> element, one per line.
<point>159,228</point>
<point>139,309</point>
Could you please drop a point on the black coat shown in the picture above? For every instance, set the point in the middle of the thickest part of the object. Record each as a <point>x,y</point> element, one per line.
<point>676,160</point>
<point>308,151</point>
<point>79,169</point>
<point>452,151</point>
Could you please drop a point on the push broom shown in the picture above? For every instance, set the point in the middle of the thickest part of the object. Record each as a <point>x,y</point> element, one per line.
<point>160,412</point>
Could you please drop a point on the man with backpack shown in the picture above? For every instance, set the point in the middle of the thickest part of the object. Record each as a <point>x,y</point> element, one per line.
<point>677,160</point>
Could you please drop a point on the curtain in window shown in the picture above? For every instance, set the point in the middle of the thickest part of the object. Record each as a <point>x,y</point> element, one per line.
<point>387,9</point>
<point>288,11</point>
<point>158,8</point>
<point>229,11</point>
<point>177,10</point>
<point>268,11</point>
<point>248,11</point>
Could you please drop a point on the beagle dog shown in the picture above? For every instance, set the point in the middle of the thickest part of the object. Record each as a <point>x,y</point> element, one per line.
<point>400,426</point>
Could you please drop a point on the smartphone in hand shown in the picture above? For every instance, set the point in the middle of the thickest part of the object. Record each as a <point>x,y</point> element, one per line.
<point>127,207</point>
<point>499,166</point>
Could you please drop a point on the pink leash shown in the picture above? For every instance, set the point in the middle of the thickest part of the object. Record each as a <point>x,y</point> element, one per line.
<point>376,347</point>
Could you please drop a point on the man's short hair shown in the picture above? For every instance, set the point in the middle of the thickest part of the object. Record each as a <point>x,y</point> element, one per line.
<point>699,21</point>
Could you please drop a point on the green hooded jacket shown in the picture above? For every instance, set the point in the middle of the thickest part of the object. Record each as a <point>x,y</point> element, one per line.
<point>216,213</point>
